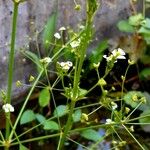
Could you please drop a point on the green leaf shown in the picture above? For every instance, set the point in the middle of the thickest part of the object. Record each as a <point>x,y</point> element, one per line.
<point>146,23</point>
<point>144,30</point>
<point>97,54</point>
<point>145,73</point>
<point>51,125</point>
<point>32,56</point>
<point>27,117</point>
<point>44,97</point>
<point>81,93</point>
<point>77,115</point>
<point>136,20</point>
<point>145,120</point>
<point>91,134</point>
<point>22,147</point>
<point>49,30</point>
<point>61,110</point>
<point>145,59</point>
<point>124,26</point>
<point>147,39</point>
<point>128,98</point>
<point>40,118</point>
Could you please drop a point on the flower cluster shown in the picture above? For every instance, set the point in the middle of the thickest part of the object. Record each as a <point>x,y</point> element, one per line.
<point>75,43</point>
<point>46,60</point>
<point>116,54</point>
<point>8,108</point>
<point>114,105</point>
<point>57,35</point>
<point>65,65</point>
<point>109,121</point>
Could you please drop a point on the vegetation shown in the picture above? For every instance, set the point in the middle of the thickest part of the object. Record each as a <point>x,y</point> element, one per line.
<point>87,104</point>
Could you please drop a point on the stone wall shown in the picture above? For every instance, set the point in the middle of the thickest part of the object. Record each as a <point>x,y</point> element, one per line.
<point>33,15</point>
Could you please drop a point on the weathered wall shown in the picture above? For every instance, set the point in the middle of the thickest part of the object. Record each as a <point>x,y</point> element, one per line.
<point>32,17</point>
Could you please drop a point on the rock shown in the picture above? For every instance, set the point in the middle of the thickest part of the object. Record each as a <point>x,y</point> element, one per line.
<point>33,15</point>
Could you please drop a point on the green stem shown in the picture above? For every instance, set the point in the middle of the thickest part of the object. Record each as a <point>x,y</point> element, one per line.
<point>11,64</point>
<point>12,52</point>
<point>36,139</point>
<point>26,100</point>
<point>67,127</point>
<point>122,89</point>
<point>144,8</point>
<point>133,137</point>
<point>31,129</point>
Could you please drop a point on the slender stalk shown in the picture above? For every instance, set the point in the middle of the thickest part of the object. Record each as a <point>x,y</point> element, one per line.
<point>78,70</point>
<point>29,130</point>
<point>12,52</point>
<point>67,127</point>
<point>133,137</point>
<point>144,8</point>
<point>36,139</point>
<point>85,38</point>
<point>24,105</point>
<point>122,88</point>
<point>11,64</point>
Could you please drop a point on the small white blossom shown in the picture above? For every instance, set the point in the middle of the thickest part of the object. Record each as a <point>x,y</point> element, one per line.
<point>114,105</point>
<point>46,60</point>
<point>66,65</point>
<point>82,27</point>
<point>8,108</point>
<point>62,28</point>
<point>108,58</point>
<point>57,35</point>
<point>109,121</point>
<point>75,43</point>
<point>119,53</point>
<point>116,54</point>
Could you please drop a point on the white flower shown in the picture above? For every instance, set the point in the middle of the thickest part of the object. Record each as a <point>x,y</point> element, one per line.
<point>75,44</point>
<point>109,121</point>
<point>62,28</point>
<point>82,27</point>
<point>114,105</point>
<point>66,65</point>
<point>57,35</point>
<point>118,53</point>
<point>8,108</point>
<point>46,60</point>
<point>108,58</point>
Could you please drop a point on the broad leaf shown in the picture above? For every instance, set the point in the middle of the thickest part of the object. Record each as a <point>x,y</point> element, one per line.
<point>27,117</point>
<point>144,30</point>
<point>61,110</point>
<point>97,53</point>
<point>129,99</point>
<point>40,118</point>
<point>124,26</point>
<point>146,120</point>
<point>50,125</point>
<point>91,134</point>
<point>145,73</point>
<point>82,93</point>
<point>49,31</point>
<point>136,20</point>
<point>22,147</point>
<point>77,115</point>
<point>32,56</point>
<point>145,58</point>
<point>146,23</point>
<point>44,97</point>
